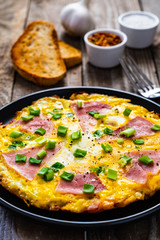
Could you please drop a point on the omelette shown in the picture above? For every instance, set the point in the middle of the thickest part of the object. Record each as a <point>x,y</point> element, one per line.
<point>89,153</point>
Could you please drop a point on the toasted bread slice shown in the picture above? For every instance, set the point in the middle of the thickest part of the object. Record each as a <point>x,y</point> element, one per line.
<point>70,55</point>
<point>36,55</point>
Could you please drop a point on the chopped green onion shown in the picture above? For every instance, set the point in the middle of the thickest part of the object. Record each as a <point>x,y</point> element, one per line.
<point>35,112</point>
<point>98,170</point>
<point>108,131</point>
<point>128,132</point>
<point>20,158</point>
<point>56,110</point>
<point>127,112</point>
<point>145,160</point>
<point>34,160</point>
<point>93,112</point>
<point>50,145</point>
<point>56,115</point>
<point>79,153</point>
<point>27,118</point>
<point>15,134</point>
<point>62,130</point>
<point>41,154</point>
<point>124,160</point>
<point>57,166</point>
<point>156,127</point>
<point>49,175</point>
<point>41,140</point>
<point>40,131</point>
<point>67,176</point>
<point>79,103</point>
<point>76,135</point>
<point>97,133</point>
<point>120,140</point>
<point>70,114</point>
<point>107,148</point>
<point>88,188</point>
<point>136,147</point>
<point>112,174</point>
<point>99,116</point>
<point>138,141</point>
<point>43,171</point>
<point>12,147</point>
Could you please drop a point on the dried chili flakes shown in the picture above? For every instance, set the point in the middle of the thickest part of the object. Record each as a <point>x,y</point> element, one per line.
<point>104,39</point>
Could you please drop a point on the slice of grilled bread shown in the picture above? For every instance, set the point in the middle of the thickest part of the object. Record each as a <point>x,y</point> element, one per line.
<point>36,54</point>
<point>70,55</point>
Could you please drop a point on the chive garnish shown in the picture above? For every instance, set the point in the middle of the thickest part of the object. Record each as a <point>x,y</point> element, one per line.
<point>56,116</point>
<point>107,148</point>
<point>40,131</point>
<point>20,158</point>
<point>98,170</point>
<point>76,135</point>
<point>43,171</point>
<point>128,132</point>
<point>27,118</point>
<point>49,175</point>
<point>41,140</point>
<point>99,116</point>
<point>120,140</point>
<point>79,103</point>
<point>62,130</point>
<point>112,174</point>
<point>97,133</point>
<point>70,115</point>
<point>41,154</point>
<point>93,112</point>
<point>35,112</point>
<point>34,160</point>
<point>88,188</point>
<point>108,131</point>
<point>145,160</point>
<point>50,145</point>
<point>79,153</point>
<point>67,176</point>
<point>57,166</point>
<point>124,160</point>
<point>15,134</point>
<point>138,141</point>
<point>127,112</point>
<point>156,127</point>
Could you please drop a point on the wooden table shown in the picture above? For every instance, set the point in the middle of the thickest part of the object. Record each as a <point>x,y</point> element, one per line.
<point>14,16</point>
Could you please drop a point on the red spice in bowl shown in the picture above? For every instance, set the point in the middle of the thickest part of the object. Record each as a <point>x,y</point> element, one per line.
<point>104,39</point>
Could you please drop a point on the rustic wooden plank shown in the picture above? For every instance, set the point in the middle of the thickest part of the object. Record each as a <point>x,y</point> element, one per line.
<point>11,25</point>
<point>12,18</point>
<point>50,11</point>
<point>46,10</point>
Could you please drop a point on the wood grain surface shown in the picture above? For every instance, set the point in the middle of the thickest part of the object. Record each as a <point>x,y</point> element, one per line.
<point>14,16</point>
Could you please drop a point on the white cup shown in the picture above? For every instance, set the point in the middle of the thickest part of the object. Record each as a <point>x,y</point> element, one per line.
<point>140,28</point>
<point>105,57</point>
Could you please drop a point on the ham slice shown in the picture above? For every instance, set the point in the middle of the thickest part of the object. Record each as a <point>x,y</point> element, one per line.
<point>139,171</point>
<point>28,170</point>
<point>77,184</point>
<point>141,126</point>
<point>37,122</point>
<point>85,119</point>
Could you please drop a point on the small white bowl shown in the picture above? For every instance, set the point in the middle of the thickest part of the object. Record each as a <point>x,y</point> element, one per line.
<point>105,57</point>
<point>140,28</point>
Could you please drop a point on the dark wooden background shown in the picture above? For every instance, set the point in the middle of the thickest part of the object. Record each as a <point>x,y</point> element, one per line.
<point>14,16</point>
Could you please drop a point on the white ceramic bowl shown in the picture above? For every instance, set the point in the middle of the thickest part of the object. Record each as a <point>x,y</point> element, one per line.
<point>140,28</point>
<point>105,57</point>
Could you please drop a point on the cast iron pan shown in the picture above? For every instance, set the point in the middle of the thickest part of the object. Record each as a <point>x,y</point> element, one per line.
<point>112,217</point>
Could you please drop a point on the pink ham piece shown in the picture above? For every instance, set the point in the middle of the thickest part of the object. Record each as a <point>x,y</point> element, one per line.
<point>141,126</point>
<point>139,171</point>
<point>37,122</point>
<point>28,170</point>
<point>77,184</point>
<point>85,119</point>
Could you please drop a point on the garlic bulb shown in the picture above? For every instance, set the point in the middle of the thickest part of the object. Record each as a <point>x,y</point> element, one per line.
<point>76,18</point>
